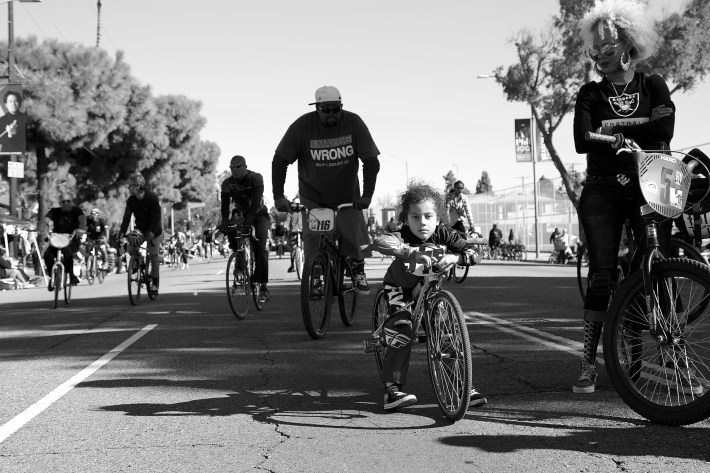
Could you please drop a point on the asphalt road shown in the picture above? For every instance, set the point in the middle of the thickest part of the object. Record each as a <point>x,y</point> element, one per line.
<point>180,385</point>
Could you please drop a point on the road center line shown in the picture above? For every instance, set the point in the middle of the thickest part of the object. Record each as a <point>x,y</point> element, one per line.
<point>538,336</point>
<point>35,409</point>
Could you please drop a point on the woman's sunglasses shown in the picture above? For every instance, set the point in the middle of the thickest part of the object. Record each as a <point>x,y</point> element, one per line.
<point>603,51</point>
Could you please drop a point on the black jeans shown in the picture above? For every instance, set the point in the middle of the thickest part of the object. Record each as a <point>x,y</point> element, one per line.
<point>604,206</point>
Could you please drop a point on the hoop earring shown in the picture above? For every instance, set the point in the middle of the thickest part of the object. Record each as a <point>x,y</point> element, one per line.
<point>598,70</point>
<point>625,65</point>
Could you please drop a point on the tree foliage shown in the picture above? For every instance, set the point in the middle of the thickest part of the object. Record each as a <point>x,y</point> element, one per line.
<point>552,66</point>
<point>91,124</point>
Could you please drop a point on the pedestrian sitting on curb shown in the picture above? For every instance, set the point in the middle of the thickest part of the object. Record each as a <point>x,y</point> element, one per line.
<point>7,271</point>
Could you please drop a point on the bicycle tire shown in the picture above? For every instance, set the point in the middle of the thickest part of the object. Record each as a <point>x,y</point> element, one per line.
<point>90,269</point>
<point>460,272</point>
<point>582,272</point>
<point>646,372</point>
<point>255,288</point>
<point>133,276</point>
<point>57,274</point>
<point>379,314</point>
<point>147,279</point>
<point>316,296</point>
<point>298,261</point>
<point>347,296</point>
<point>688,249</point>
<point>67,290</point>
<point>101,271</point>
<point>450,274</point>
<point>449,355</point>
<point>237,286</point>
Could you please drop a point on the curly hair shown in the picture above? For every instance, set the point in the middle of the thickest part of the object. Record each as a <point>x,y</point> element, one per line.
<point>626,20</point>
<point>419,192</point>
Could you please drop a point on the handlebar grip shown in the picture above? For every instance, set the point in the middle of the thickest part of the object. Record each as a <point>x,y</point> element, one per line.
<point>611,139</point>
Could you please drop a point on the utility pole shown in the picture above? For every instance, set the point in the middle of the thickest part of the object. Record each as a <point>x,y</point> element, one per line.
<point>98,22</point>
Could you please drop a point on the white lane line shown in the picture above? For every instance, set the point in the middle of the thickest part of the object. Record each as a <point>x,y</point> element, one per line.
<point>534,335</point>
<point>35,409</point>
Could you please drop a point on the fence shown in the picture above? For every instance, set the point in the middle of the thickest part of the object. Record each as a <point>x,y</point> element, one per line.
<point>514,208</point>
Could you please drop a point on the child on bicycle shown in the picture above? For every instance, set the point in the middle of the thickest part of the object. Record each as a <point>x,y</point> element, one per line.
<point>421,206</point>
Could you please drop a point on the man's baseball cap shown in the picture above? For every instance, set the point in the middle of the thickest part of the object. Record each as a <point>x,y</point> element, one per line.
<point>327,93</point>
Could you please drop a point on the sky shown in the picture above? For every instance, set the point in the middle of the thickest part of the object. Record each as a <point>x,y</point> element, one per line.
<point>408,68</point>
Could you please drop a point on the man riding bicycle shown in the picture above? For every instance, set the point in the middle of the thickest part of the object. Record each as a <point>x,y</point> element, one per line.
<point>245,189</point>
<point>327,143</point>
<point>144,205</point>
<point>459,209</point>
<point>97,234</point>
<point>66,218</point>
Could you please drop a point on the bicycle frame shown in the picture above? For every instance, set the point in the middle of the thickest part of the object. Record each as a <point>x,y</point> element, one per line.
<point>336,260</point>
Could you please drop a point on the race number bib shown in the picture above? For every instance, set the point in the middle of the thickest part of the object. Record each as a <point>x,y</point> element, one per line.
<point>321,220</point>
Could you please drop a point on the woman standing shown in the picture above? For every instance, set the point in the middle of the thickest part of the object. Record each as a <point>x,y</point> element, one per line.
<point>637,105</point>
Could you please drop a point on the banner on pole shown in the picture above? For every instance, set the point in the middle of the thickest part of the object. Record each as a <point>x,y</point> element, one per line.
<point>13,121</point>
<point>523,140</point>
<point>542,154</point>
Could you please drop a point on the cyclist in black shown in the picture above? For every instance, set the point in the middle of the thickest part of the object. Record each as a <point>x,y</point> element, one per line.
<point>97,234</point>
<point>66,218</point>
<point>245,189</point>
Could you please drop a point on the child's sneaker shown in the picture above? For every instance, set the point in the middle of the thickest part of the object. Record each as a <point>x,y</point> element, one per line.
<point>476,399</point>
<point>394,398</point>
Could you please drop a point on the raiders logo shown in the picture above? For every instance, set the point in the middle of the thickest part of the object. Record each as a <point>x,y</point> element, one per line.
<point>625,104</point>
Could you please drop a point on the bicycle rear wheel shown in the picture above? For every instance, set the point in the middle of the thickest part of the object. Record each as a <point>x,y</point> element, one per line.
<point>449,355</point>
<point>347,298</point>
<point>298,261</point>
<point>67,289</point>
<point>133,275</point>
<point>147,279</point>
<point>254,287</point>
<point>91,269</point>
<point>237,285</point>
<point>379,314</point>
<point>666,380</point>
<point>316,296</point>
<point>101,270</point>
<point>460,272</point>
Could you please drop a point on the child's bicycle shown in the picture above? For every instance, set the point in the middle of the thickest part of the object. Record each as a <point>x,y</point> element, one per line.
<point>326,274</point>
<point>657,339</point>
<point>138,270</point>
<point>240,270</point>
<point>447,341</point>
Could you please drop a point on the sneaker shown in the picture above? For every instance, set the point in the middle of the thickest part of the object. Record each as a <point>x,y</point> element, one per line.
<point>394,398</point>
<point>263,295</point>
<point>476,399</point>
<point>361,284</point>
<point>587,378</point>
<point>153,288</point>
<point>73,280</point>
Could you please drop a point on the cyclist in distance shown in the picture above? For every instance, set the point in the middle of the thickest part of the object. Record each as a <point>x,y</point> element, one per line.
<point>637,105</point>
<point>459,209</point>
<point>327,143</point>
<point>295,228</point>
<point>494,237</point>
<point>97,233</point>
<point>421,205</point>
<point>245,189</point>
<point>207,237</point>
<point>144,205</point>
<point>67,218</point>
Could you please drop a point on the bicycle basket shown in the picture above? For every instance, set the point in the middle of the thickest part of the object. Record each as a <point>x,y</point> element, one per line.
<point>60,240</point>
<point>135,238</point>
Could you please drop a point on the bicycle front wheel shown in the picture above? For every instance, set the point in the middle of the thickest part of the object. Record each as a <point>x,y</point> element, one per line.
<point>663,376</point>
<point>57,280</point>
<point>379,314</point>
<point>347,297</point>
<point>298,261</point>
<point>255,288</point>
<point>449,355</point>
<point>100,270</point>
<point>67,290</point>
<point>134,280</point>
<point>148,279</point>
<point>316,296</point>
<point>237,285</point>
<point>460,272</point>
<point>582,272</point>
<point>90,269</point>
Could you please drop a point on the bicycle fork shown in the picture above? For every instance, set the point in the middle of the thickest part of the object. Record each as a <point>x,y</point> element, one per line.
<point>652,304</point>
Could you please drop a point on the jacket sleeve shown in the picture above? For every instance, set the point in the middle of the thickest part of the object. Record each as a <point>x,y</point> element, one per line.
<point>583,121</point>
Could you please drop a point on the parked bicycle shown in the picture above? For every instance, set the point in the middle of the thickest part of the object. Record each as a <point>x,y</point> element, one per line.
<point>326,274</point>
<point>138,270</point>
<point>240,269</point>
<point>59,281</point>
<point>446,336</point>
<point>657,339</point>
